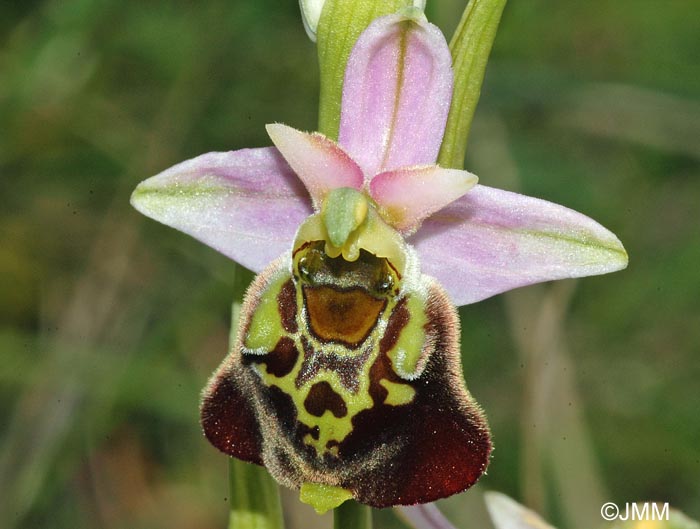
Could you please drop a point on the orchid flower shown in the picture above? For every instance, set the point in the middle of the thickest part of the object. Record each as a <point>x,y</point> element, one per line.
<point>345,379</point>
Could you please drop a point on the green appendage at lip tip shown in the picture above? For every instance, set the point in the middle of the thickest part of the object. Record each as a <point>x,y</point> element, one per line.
<point>322,497</point>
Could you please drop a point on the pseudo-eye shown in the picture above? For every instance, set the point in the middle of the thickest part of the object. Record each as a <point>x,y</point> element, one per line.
<point>346,370</point>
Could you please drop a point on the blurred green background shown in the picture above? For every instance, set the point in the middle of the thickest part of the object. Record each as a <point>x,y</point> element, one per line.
<point>111,323</point>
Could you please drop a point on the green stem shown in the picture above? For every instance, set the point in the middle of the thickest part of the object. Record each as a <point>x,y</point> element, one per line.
<point>352,515</point>
<point>470,47</point>
<point>255,500</point>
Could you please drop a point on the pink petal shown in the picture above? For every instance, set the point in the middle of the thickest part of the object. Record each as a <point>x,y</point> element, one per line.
<point>490,241</point>
<point>398,85</point>
<point>319,162</point>
<point>407,196</point>
<point>246,204</point>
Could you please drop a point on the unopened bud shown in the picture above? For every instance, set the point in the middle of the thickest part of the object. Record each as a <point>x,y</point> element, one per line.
<point>310,13</point>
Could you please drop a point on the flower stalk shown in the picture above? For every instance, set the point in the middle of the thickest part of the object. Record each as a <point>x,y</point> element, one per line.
<point>255,501</point>
<point>352,515</point>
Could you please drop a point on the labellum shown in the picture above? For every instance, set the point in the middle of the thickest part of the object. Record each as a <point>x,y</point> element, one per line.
<point>346,370</point>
